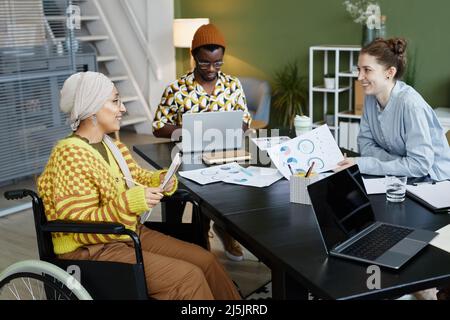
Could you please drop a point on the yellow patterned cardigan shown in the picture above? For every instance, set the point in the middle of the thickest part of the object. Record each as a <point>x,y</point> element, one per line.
<point>79,185</point>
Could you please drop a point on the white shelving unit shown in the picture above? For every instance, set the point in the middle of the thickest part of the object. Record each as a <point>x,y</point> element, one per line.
<point>341,71</point>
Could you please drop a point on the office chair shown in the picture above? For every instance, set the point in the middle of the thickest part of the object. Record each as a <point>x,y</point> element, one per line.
<point>258,94</point>
<point>105,279</point>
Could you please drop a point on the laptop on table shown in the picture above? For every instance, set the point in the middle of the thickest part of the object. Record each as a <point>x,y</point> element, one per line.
<point>207,131</point>
<point>348,227</point>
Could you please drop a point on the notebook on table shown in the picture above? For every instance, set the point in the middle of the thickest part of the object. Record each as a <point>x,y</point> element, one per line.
<point>226,156</point>
<point>435,196</point>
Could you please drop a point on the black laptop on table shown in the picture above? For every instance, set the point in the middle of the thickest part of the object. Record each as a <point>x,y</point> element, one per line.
<point>348,227</point>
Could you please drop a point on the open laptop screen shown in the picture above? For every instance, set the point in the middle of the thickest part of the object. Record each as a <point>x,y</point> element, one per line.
<point>206,131</point>
<point>341,206</point>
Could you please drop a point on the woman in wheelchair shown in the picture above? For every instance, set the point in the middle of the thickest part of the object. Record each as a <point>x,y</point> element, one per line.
<point>90,177</point>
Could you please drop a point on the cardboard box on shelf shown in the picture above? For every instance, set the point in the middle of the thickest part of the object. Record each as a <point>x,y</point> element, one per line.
<point>358,97</point>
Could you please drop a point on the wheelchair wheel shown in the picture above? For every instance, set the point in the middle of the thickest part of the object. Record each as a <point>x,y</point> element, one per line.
<point>39,280</point>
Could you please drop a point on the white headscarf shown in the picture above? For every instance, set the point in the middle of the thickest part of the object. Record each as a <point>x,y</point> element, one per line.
<point>84,94</point>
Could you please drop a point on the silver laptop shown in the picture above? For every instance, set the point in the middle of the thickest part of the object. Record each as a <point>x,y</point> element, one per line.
<point>348,227</point>
<point>207,131</point>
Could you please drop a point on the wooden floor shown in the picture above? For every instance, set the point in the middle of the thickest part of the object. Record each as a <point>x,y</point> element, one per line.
<point>18,238</point>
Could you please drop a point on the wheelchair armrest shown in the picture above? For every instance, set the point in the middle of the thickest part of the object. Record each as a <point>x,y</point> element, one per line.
<point>94,227</point>
<point>179,195</point>
<point>83,227</point>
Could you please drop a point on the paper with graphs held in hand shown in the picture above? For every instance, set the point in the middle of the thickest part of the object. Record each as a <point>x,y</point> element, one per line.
<point>316,146</point>
<point>176,162</point>
<point>172,170</point>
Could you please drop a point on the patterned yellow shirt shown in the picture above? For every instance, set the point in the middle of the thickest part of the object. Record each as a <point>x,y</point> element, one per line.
<point>185,95</point>
<point>79,185</point>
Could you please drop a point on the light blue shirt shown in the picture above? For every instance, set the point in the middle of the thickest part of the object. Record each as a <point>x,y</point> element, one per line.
<point>405,138</point>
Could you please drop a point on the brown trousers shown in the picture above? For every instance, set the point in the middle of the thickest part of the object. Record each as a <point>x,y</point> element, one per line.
<point>174,269</point>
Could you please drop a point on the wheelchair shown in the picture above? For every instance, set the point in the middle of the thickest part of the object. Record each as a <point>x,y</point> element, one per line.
<point>39,280</point>
<point>99,280</point>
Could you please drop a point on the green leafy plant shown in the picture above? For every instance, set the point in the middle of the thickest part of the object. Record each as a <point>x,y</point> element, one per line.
<point>290,94</point>
<point>410,73</point>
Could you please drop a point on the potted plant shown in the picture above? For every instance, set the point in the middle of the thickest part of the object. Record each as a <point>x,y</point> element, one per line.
<point>368,14</point>
<point>290,94</point>
<point>410,74</point>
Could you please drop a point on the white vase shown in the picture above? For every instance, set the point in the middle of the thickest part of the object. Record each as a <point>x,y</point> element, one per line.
<point>329,83</point>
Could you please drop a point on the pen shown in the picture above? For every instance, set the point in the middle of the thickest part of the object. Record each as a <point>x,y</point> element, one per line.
<point>425,182</point>
<point>290,169</point>
<point>308,173</point>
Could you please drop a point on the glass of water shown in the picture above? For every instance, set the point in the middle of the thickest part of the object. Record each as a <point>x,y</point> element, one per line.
<point>395,188</point>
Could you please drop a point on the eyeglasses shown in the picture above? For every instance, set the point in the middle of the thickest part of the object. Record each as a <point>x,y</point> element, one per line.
<point>205,65</point>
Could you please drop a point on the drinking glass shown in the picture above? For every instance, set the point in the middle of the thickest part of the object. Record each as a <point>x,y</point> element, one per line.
<point>395,188</point>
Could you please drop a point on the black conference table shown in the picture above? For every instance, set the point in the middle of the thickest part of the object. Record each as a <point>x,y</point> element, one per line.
<point>285,236</point>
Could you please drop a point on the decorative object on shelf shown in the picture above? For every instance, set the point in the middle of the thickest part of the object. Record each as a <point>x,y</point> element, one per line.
<point>290,93</point>
<point>368,35</point>
<point>302,125</point>
<point>373,22</point>
<point>382,33</point>
<point>329,118</point>
<point>329,81</point>
<point>358,98</point>
<point>357,9</point>
<point>368,14</point>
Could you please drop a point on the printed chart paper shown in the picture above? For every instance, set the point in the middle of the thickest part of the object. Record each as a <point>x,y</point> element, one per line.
<point>265,143</point>
<point>234,173</point>
<point>316,146</point>
<point>255,177</point>
<point>211,174</point>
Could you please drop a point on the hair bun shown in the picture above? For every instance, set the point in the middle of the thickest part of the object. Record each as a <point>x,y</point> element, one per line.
<point>398,46</point>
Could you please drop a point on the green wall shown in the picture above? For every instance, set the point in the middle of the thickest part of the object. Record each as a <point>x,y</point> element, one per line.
<point>263,35</point>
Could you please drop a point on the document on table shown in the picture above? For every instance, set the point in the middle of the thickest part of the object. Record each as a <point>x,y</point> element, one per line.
<point>212,174</point>
<point>233,173</point>
<point>442,240</point>
<point>255,177</point>
<point>265,143</point>
<point>435,196</point>
<point>316,146</point>
<point>375,185</point>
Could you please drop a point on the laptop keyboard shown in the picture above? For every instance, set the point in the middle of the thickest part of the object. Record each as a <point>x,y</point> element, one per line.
<point>377,242</point>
